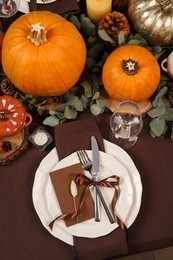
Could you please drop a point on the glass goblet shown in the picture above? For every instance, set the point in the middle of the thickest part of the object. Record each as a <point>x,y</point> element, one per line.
<point>8,7</point>
<point>126,123</point>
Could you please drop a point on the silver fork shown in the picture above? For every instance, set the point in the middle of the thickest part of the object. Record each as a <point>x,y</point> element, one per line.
<point>87,165</point>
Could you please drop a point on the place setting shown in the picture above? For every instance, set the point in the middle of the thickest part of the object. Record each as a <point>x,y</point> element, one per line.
<point>69,213</point>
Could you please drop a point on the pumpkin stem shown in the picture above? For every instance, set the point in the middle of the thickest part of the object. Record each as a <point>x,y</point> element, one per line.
<point>130,67</point>
<point>37,34</point>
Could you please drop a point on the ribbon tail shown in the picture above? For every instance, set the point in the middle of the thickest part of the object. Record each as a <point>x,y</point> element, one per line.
<point>117,219</point>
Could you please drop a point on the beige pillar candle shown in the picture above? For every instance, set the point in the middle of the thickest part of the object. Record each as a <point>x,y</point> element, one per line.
<point>97,9</point>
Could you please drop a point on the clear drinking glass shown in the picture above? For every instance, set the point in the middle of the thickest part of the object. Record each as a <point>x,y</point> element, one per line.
<point>8,7</point>
<point>126,123</point>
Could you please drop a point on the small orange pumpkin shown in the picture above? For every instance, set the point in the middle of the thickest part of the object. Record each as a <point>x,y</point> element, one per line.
<point>43,54</point>
<point>131,72</point>
<point>13,116</point>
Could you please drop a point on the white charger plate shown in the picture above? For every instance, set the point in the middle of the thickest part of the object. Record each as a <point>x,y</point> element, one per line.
<point>128,205</point>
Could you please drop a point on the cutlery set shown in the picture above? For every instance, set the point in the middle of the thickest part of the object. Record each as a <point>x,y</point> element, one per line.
<point>93,168</point>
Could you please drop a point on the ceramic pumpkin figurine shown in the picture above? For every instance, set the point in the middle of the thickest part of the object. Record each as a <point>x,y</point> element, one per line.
<point>131,72</point>
<point>43,54</point>
<point>13,116</point>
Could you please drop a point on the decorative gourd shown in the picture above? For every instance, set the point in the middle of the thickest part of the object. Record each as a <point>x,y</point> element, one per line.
<point>13,116</point>
<point>153,20</point>
<point>131,72</point>
<point>120,5</point>
<point>43,54</point>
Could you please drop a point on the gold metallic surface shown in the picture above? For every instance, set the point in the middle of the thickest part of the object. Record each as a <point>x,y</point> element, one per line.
<point>153,19</point>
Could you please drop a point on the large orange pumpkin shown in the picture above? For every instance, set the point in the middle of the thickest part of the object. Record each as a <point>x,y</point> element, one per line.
<point>43,54</point>
<point>1,41</point>
<point>131,72</point>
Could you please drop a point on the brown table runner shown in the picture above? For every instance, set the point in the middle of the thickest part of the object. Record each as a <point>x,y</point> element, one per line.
<point>69,138</point>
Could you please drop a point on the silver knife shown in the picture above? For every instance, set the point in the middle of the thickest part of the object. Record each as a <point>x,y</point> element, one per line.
<point>95,170</point>
<point>97,192</point>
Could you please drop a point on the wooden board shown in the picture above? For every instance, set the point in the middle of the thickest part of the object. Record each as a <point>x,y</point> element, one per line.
<point>19,143</point>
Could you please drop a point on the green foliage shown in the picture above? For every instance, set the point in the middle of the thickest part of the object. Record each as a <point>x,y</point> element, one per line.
<point>160,113</point>
<point>86,94</point>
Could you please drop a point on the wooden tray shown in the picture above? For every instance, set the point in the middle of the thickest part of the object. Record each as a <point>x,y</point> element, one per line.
<point>19,143</point>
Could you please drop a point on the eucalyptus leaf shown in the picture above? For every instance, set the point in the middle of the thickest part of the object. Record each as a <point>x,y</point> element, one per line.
<point>143,42</point>
<point>51,121</point>
<point>90,63</point>
<point>61,108</point>
<point>168,115</point>
<point>101,103</point>
<point>139,37</point>
<point>156,112</point>
<point>53,112</point>
<point>121,38</point>
<point>164,102</point>
<point>91,41</point>
<point>85,101</point>
<point>75,21</point>
<point>95,109</point>
<point>70,112</point>
<point>88,88</point>
<point>105,36</point>
<point>69,99</point>
<point>135,42</point>
<point>88,27</point>
<point>95,51</point>
<point>58,114</point>
<point>78,104</point>
<point>96,95</point>
<point>157,126</point>
<point>156,50</point>
<point>161,93</point>
<point>152,134</point>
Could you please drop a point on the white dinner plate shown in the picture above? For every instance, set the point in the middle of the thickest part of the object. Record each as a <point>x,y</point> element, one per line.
<point>128,205</point>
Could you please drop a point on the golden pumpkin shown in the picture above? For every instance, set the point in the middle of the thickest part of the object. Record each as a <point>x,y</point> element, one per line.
<point>43,54</point>
<point>153,20</point>
<point>131,72</point>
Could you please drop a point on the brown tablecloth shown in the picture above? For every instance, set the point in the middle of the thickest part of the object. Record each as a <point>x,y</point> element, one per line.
<point>23,236</point>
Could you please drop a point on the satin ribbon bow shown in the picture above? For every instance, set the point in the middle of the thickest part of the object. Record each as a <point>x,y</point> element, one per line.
<point>81,179</point>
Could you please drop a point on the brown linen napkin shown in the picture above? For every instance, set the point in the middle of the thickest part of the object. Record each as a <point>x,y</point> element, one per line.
<point>62,7</point>
<point>61,180</point>
<point>70,137</point>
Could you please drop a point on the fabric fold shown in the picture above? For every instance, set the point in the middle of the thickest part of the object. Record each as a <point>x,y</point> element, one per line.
<point>69,138</point>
